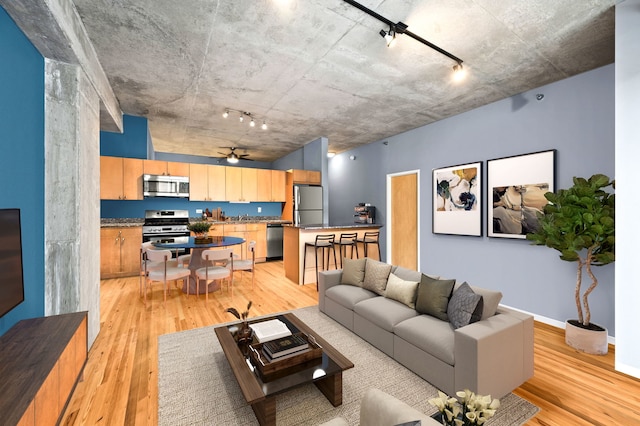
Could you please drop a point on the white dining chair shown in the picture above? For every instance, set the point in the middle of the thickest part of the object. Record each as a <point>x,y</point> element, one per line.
<point>158,267</point>
<point>219,265</point>
<point>147,265</point>
<point>247,264</point>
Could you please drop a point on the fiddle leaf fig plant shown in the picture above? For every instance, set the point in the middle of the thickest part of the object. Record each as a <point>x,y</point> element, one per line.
<point>579,222</point>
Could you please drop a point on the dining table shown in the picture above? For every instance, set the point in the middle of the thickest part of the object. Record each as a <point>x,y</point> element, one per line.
<point>196,262</point>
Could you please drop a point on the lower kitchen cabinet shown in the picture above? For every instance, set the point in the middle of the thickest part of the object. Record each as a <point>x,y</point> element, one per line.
<point>250,232</point>
<point>120,251</point>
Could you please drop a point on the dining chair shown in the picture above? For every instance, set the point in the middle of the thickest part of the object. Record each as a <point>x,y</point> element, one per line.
<point>213,271</point>
<point>247,264</point>
<point>158,267</point>
<point>147,265</point>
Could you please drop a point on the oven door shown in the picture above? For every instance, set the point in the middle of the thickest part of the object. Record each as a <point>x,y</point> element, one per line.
<point>179,237</point>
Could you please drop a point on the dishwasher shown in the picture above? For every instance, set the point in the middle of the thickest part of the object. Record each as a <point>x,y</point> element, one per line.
<point>274,241</point>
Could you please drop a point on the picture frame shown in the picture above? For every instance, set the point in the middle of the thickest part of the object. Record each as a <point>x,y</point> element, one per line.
<point>457,200</point>
<point>515,187</point>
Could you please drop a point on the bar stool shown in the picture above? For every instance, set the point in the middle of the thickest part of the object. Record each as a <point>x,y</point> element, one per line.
<point>347,240</point>
<point>324,242</point>
<point>370,238</point>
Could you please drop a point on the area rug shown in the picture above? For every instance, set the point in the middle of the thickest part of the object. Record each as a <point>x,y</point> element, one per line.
<point>196,385</point>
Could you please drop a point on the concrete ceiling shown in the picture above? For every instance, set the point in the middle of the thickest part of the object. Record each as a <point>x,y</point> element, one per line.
<point>312,68</point>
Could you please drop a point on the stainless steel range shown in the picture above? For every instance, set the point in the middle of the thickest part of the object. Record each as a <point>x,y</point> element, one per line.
<point>166,226</point>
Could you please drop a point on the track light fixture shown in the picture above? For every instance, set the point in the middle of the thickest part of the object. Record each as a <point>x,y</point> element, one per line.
<point>245,114</point>
<point>402,28</point>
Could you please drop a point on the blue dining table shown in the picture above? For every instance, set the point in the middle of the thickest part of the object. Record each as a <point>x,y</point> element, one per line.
<point>197,261</point>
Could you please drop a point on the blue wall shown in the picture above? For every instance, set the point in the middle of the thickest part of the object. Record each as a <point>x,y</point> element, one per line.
<point>22,159</point>
<point>131,143</point>
<point>576,117</point>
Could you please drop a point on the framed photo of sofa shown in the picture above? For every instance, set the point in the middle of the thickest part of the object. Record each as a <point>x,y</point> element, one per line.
<point>457,200</point>
<point>517,186</point>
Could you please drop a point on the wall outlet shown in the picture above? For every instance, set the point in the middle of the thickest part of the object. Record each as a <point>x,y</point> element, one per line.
<point>259,209</point>
<point>198,211</point>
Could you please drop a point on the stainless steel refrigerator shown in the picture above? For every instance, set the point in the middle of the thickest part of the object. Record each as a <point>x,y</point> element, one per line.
<point>307,204</point>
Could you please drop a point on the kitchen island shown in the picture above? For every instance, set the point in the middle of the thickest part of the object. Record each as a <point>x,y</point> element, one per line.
<point>295,237</point>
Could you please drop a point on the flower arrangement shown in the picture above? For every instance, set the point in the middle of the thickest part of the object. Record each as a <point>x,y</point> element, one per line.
<point>243,335</point>
<point>199,227</point>
<point>468,409</point>
<point>241,316</point>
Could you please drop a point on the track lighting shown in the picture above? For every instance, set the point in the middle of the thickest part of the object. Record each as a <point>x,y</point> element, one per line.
<point>402,28</point>
<point>243,115</point>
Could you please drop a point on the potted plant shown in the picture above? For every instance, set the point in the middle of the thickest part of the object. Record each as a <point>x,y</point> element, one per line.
<point>200,229</point>
<point>579,222</point>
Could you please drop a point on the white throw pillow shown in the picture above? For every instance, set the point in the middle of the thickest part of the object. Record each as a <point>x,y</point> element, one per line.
<point>402,291</point>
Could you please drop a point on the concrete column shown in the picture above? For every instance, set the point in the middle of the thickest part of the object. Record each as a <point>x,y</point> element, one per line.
<point>72,204</point>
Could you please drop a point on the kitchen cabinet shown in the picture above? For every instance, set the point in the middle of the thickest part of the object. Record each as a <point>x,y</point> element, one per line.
<point>166,168</point>
<point>241,184</point>
<point>309,177</point>
<point>120,178</point>
<point>120,251</point>
<point>271,185</point>
<point>250,232</point>
<point>207,182</point>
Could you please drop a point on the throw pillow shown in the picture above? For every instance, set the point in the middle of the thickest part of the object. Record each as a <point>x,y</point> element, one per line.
<point>376,275</point>
<point>490,298</point>
<point>465,307</point>
<point>353,271</point>
<point>413,423</point>
<point>433,297</point>
<point>401,290</point>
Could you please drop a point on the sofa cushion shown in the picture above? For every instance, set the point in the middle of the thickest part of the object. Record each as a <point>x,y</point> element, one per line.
<point>465,306</point>
<point>490,300</point>
<point>383,312</point>
<point>348,295</point>
<point>375,276</point>
<point>429,334</point>
<point>433,297</point>
<point>353,271</point>
<point>401,290</point>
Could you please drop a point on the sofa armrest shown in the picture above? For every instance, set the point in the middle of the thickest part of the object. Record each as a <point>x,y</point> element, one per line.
<point>495,355</point>
<point>326,280</point>
<point>381,409</point>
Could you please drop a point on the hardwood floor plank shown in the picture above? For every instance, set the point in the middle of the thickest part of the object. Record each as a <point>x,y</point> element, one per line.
<point>120,383</point>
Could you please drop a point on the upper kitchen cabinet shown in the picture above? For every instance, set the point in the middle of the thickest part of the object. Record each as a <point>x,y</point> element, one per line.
<point>309,177</point>
<point>271,185</point>
<point>165,168</point>
<point>207,182</point>
<point>120,178</point>
<point>242,184</point>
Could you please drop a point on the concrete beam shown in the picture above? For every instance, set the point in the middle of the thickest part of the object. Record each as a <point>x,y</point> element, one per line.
<point>56,30</point>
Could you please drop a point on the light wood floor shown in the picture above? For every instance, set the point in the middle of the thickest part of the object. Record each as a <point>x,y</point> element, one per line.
<point>120,385</point>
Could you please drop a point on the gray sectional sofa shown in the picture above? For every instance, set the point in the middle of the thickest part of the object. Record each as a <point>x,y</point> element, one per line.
<point>416,319</point>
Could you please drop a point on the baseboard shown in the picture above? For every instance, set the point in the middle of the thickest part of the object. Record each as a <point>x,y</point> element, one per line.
<point>555,323</point>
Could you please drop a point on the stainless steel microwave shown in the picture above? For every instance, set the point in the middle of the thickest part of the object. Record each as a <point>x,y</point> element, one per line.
<point>165,186</point>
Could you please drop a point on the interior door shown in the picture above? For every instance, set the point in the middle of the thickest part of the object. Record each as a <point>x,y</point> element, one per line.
<point>403,230</point>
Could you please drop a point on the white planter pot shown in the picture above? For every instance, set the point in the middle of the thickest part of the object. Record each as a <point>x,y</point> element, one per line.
<point>589,341</point>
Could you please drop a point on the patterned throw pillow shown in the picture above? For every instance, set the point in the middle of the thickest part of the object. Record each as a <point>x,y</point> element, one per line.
<point>353,271</point>
<point>376,275</point>
<point>433,297</point>
<point>465,307</point>
<point>401,290</point>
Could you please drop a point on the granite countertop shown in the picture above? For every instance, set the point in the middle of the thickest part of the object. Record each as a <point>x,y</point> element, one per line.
<point>136,221</point>
<point>315,226</point>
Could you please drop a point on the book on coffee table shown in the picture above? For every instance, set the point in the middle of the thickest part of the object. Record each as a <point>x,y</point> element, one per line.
<point>283,346</point>
<point>265,331</point>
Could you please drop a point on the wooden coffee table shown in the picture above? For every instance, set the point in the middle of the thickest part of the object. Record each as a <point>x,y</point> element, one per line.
<point>326,375</point>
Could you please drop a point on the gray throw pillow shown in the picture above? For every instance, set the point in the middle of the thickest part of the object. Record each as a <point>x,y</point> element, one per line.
<point>376,275</point>
<point>353,271</point>
<point>465,307</point>
<point>433,297</point>
<point>401,290</point>
<point>490,299</point>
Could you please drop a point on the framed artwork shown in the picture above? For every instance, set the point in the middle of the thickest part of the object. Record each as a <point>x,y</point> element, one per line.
<point>457,197</point>
<point>517,186</point>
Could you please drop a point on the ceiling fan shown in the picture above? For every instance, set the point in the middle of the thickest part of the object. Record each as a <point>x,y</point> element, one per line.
<point>233,158</point>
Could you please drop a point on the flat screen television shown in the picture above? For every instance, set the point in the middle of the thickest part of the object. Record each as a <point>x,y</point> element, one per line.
<point>11,280</point>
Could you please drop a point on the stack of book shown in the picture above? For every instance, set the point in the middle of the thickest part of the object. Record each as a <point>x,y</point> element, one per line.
<point>285,347</point>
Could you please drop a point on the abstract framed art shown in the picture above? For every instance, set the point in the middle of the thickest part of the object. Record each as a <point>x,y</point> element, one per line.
<point>457,200</point>
<point>517,186</point>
